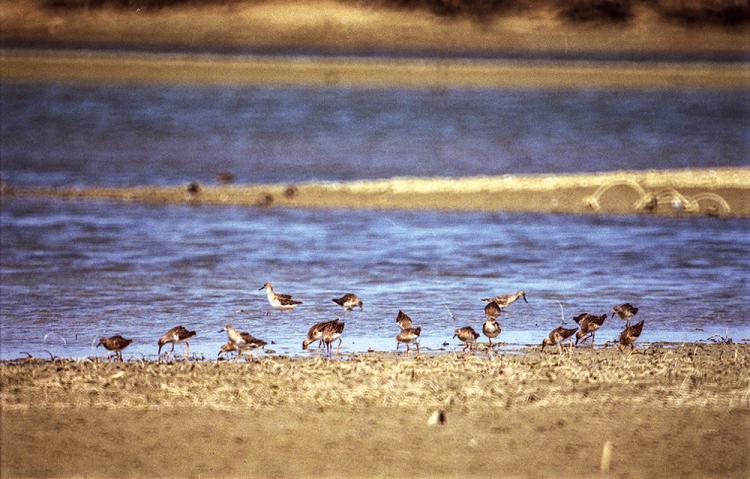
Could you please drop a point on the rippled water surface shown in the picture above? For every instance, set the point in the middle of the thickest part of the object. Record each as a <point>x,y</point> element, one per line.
<point>127,135</point>
<point>72,271</point>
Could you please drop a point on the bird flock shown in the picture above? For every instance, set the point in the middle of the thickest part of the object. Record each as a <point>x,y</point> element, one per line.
<point>328,332</point>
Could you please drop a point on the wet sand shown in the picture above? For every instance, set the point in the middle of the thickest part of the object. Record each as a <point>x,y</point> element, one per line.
<point>717,192</point>
<point>666,411</point>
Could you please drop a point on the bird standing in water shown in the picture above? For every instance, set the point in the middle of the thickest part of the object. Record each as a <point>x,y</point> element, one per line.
<point>115,344</point>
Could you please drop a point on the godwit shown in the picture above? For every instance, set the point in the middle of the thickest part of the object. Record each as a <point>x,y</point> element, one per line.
<point>315,333</point>
<point>278,300</point>
<point>625,312</point>
<point>491,328</point>
<point>505,300</point>
<point>349,301</point>
<point>243,341</point>
<point>588,324</point>
<point>115,344</point>
<point>557,336</point>
<point>492,310</point>
<point>176,335</point>
<point>629,335</point>
<point>467,335</point>
<point>407,336</point>
<point>403,320</point>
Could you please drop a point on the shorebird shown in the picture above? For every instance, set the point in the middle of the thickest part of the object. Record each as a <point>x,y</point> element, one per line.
<point>349,301</point>
<point>492,310</point>
<point>625,312</point>
<point>403,320</point>
<point>588,324</point>
<point>325,332</point>
<point>409,335</point>
<point>629,335</point>
<point>505,300</point>
<point>557,336</point>
<point>243,341</point>
<point>229,347</point>
<point>491,328</point>
<point>176,335</point>
<point>331,333</point>
<point>467,335</point>
<point>115,344</point>
<point>278,300</point>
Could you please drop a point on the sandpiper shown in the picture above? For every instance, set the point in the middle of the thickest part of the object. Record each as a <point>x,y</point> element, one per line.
<point>115,344</point>
<point>588,324</point>
<point>467,335</point>
<point>349,301</point>
<point>407,336</point>
<point>176,335</point>
<point>629,335</point>
<point>229,347</point>
<point>315,333</point>
<point>278,300</point>
<point>492,310</point>
<point>243,341</point>
<point>625,312</point>
<point>331,332</point>
<point>557,336</point>
<point>505,300</point>
<point>491,328</point>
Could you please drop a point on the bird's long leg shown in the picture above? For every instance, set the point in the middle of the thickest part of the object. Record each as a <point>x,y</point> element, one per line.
<point>119,354</point>
<point>398,343</point>
<point>593,339</point>
<point>417,345</point>
<point>559,347</point>
<point>490,340</point>
<point>407,349</point>
<point>338,347</point>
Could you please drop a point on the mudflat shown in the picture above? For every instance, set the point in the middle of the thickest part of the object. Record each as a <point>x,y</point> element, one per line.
<point>666,410</point>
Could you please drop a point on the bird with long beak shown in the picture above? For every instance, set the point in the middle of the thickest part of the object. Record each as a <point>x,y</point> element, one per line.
<point>505,300</point>
<point>588,324</point>
<point>349,301</point>
<point>115,344</point>
<point>176,335</point>
<point>280,301</point>
<point>625,312</point>
<point>227,348</point>
<point>466,335</point>
<point>629,335</point>
<point>403,320</point>
<point>242,341</point>
<point>557,336</point>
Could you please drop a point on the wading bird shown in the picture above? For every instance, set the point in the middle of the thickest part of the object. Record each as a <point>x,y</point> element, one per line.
<point>505,300</point>
<point>176,335</point>
<point>407,336</point>
<point>349,301</point>
<point>243,341</point>
<point>278,300</point>
<point>491,328</point>
<point>557,336</point>
<point>115,344</point>
<point>403,320</point>
<point>588,324</point>
<point>466,335</point>
<point>629,335</point>
<point>625,312</point>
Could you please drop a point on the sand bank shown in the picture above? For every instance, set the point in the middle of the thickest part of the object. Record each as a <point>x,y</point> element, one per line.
<point>34,65</point>
<point>678,412</point>
<point>717,192</point>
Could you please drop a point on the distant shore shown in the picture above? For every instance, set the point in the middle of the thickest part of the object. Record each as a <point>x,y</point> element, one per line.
<point>723,192</point>
<point>677,411</point>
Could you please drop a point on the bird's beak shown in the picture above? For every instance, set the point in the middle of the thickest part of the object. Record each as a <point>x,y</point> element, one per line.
<point>613,315</point>
<point>525,300</point>
<point>221,330</point>
<point>454,335</point>
<point>261,288</point>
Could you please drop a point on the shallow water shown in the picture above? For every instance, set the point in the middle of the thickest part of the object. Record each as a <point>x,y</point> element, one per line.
<point>99,134</point>
<point>71,271</point>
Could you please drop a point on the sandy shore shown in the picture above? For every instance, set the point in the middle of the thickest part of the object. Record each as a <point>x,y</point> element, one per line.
<point>717,192</point>
<point>677,412</point>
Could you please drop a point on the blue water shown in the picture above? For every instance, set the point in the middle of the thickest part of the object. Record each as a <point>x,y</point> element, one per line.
<point>67,134</point>
<point>72,271</point>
